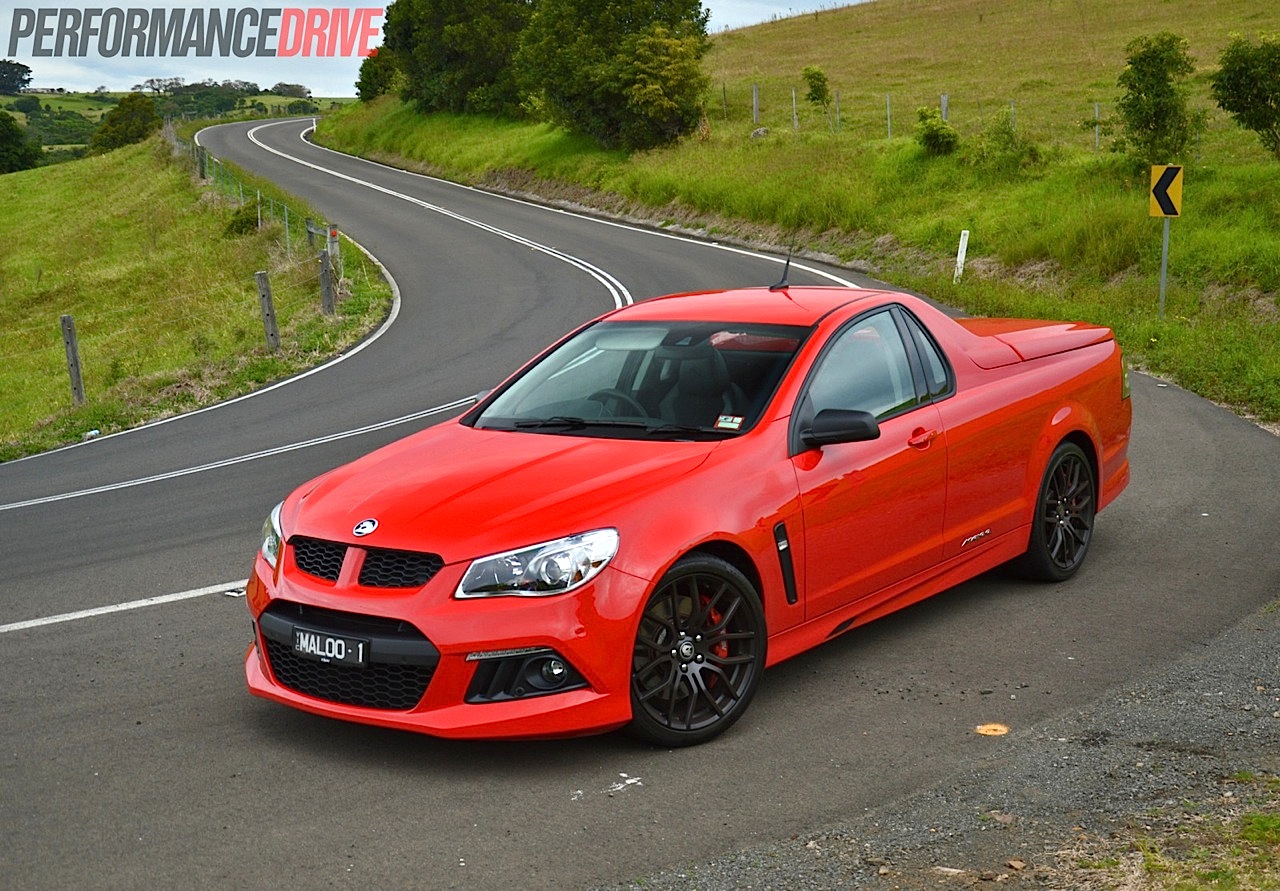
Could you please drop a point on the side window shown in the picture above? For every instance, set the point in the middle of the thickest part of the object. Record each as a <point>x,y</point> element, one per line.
<point>937,377</point>
<point>866,369</point>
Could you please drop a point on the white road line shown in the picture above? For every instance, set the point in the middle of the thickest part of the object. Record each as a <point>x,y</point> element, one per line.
<point>123,607</point>
<point>639,230</point>
<point>242,459</point>
<point>621,296</point>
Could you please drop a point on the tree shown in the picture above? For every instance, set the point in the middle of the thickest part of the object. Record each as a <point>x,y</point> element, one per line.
<point>297,91</point>
<point>14,77</point>
<point>1247,87</point>
<point>819,87</point>
<point>17,152</point>
<point>456,55</point>
<point>378,74</point>
<point>1158,122</point>
<point>133,120</point>
<point>626,73</point>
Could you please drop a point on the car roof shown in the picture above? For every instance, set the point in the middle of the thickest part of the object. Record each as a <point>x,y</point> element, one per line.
<point>788,306</point>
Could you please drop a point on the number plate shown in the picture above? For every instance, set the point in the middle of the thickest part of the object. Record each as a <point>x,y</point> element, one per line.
<point>330,648</point>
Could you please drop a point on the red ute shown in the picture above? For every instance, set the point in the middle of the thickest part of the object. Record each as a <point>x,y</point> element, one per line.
<point>676,496</point>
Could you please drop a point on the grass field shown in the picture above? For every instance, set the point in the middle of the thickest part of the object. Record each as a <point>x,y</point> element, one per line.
<point>1057,228</point>
<point>162,293</point>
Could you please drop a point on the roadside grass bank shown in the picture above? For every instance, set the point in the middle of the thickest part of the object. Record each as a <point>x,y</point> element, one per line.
<point>161,287</point>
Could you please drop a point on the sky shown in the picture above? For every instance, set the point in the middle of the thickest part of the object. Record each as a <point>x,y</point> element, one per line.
<point>334,75</point>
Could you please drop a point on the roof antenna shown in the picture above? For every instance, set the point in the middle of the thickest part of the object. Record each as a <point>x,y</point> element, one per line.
<point>782,283</point>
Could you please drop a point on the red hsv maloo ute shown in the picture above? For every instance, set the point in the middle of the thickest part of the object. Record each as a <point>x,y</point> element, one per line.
<point>674,497</point>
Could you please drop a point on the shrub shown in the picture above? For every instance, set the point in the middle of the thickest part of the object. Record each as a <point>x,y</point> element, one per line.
<point>1247,87</point>
<point>935,135</point>
<point>1158,123</point>
<point>1000,147</point>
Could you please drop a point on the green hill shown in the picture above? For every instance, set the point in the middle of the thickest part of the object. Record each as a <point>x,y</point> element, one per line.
<point>1059,225</point>
<point>162,291</point>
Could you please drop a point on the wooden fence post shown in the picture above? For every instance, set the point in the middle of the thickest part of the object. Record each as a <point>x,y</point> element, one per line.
<point>326,284</point>
<point>73,359</point>
<point>268,311</point>
<point>334,249</point>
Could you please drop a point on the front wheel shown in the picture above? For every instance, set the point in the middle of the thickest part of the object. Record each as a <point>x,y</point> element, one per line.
<point>698,655</point>
<point>1063,523</point>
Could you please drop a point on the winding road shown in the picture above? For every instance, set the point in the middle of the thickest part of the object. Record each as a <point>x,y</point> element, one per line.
<point>131,755</point>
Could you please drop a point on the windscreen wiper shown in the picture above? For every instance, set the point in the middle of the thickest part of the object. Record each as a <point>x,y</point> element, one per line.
<point>571,422</point>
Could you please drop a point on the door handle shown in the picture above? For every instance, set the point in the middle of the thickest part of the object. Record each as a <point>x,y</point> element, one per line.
<point>922,438</point>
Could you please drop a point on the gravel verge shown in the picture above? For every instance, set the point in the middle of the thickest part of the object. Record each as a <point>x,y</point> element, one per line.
<point>1058,806</point>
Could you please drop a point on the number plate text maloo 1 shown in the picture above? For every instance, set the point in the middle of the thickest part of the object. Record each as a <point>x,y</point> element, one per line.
<point>330,648</point>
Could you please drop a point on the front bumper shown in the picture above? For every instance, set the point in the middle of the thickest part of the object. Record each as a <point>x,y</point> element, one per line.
<point>426,649</point>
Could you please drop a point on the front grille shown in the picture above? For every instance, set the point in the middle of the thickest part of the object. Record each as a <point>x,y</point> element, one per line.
<point>382,568</point>
<point>401,659</point>
<point>398,569</point>
<point>322,559</point>
<point>381,686</point>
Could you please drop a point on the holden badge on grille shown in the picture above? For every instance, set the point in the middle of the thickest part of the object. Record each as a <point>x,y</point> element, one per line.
<point>364,527</point>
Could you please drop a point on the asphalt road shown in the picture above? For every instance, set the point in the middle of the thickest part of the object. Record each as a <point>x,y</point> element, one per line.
<point>131,755</point>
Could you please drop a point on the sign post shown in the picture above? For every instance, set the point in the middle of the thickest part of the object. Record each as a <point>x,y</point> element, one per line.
<point>1166,201</point>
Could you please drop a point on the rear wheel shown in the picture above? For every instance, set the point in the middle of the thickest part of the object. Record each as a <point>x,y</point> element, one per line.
<point>698,654</point>
<point>1063,524</point>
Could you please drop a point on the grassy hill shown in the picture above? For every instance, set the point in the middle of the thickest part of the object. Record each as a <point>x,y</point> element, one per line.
<point>1058,227</point>
<point>159,277</point>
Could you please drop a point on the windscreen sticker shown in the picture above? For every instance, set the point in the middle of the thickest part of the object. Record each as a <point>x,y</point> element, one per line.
<point>729,422</point>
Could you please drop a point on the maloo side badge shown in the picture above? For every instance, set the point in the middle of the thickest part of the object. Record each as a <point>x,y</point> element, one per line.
<point>364,527</point>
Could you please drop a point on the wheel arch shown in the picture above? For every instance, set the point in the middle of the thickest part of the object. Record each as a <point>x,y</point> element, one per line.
<point>1088,446</point>
<point>735,556</point>
<point>1072,423</point>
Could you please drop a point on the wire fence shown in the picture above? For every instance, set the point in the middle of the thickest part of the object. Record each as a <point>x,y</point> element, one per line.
<point>860,114</point>
<point>114,341</point>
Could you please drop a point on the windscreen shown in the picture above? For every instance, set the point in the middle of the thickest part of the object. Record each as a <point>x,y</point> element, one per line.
<point>650,378</point>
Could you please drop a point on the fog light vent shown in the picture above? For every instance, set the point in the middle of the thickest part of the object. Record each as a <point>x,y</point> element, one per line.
<point>521,674</point>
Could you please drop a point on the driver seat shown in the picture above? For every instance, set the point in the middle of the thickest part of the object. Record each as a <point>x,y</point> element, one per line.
<point>702,390</point>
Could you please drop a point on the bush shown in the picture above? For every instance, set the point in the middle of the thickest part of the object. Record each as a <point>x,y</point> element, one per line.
<point>1001,148</point>
<point>133,120</point>
<point>1247,87</point>
<point>17,152</point>
<point>1158,123</point>
<point>243,222</point>
<point>935,135</point>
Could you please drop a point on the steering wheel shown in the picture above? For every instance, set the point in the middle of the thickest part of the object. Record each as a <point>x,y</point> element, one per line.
<point>604,397</point>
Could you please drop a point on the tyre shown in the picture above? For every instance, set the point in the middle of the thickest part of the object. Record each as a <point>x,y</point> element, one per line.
<point>698,655</point>
<point>1063,524</point>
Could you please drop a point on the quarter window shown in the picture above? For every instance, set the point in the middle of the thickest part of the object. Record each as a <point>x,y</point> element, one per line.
<point>937,378</point>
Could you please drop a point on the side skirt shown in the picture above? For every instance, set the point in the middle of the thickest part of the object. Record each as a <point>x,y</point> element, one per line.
<point>946,575</point>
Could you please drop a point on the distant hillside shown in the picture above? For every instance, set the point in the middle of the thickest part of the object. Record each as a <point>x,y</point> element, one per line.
<point>1052,58</point>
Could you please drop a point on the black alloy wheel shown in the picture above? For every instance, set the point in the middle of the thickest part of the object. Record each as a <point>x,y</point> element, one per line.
<point>1063,525</point>
<point>699,653</point>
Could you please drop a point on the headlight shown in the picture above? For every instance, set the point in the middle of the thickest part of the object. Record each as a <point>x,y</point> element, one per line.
<point>272,537</point>
<point>553,567</point>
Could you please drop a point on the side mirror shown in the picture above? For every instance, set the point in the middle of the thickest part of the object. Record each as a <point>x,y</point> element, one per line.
<point>836,425</point>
